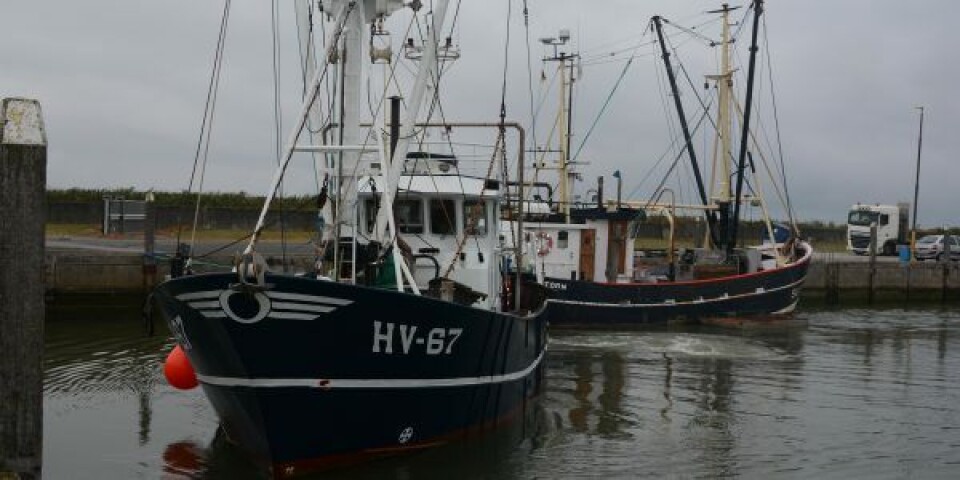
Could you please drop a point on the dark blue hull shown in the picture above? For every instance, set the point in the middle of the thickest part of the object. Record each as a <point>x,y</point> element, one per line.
<point>588,304</point>
<point>310,373</point>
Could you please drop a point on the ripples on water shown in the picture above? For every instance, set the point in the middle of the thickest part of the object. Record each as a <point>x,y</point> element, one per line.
<point>830,394</point>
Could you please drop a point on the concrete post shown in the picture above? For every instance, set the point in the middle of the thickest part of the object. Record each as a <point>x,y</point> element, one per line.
<point>23,178</point>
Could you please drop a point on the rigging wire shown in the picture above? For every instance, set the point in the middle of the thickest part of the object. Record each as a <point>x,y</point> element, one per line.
<point>204,143</point>
<point>206,126</point>
<point>277,120</point>
<point>693,33</point>
<point>436,106</point>
<point>606,103</point>
<point>340,206</point>
<point>674,135</point>
<point>302,124</point>
<point>686,75</point>
<point>305,57</point>
<point>500,147</point>
<point>676,160</point>
<point>776,121</point>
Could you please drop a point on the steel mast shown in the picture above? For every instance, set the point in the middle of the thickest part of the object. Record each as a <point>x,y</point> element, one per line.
<point>711,219</point>
<point>745,138</point>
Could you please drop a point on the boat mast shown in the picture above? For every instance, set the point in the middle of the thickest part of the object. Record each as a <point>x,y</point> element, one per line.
<point>724,81</point>
<point>351,78</point>
<point>564,115</point>
<point>745,137</point>
<point>724,156</point>
<point>711,219</point>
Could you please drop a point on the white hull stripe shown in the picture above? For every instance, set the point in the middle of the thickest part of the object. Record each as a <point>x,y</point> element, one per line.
<point>202,305</point>
<point>789,309</point>
<point>186,297</point>
<point>273,305</point>
<point>351,383</point>
<point>300,307</point>
<point>673,303</point>
<point>307,298</point>
<point>297,297</point>
<point>292,316</point>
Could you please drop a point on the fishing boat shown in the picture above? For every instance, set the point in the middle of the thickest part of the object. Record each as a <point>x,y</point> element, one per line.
<point>408,334</point>
<point>587,254</point>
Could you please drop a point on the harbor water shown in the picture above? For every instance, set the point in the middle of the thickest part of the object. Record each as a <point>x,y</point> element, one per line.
<point>852,393</point>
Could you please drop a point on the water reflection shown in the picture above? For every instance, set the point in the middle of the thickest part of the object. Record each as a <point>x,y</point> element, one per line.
<point>102,354</point>
<point>609,416</point>
<point>674,393</point>
<point>850,392</point>
<point>494,454</point>
<point>100,368</point>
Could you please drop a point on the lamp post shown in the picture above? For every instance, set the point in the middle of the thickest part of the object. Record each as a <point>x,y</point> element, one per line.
<point>916,190</point>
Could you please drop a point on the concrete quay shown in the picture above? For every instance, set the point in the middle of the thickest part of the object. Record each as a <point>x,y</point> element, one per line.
<point>119,267</point>
<point>838,281</point>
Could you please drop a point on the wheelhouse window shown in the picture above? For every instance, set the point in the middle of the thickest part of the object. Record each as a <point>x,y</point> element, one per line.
<point>474,218</point>
<point>443,215</point>
<point>408,214</point>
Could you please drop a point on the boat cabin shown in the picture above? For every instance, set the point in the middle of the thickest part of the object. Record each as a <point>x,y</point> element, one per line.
<point>596,245</point>
<point>447,222</point>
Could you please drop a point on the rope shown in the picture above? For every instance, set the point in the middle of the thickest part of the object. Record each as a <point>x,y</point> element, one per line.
<point>676,159</point>
<point>206,125</point>
<point>499,148</point>
<point>603,108</point>
<point>776,122</point>
<point>277,120</point>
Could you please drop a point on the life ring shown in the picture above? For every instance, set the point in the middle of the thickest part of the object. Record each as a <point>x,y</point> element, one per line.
<point>546,243</point>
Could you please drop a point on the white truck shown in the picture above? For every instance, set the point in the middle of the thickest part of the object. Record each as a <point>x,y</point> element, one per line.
<point>892,226</point>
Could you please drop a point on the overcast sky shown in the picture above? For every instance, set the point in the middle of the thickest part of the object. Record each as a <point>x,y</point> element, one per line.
<point>122,85</point>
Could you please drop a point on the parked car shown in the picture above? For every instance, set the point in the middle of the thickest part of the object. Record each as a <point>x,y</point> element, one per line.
<point>931,247</point>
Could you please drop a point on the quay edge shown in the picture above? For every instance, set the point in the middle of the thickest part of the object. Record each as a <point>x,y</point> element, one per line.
<point>834,282</point>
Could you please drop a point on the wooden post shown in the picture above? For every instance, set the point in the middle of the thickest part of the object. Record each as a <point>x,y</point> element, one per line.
<point>149,242</point>
<point>945,265</point>
<point>873,260</point>
<point>832,274</point>
<point>23,178</point>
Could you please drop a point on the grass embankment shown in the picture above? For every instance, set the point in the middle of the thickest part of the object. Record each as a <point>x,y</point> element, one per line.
<point>244,201</point>
<point>54,230</point>
<point>238,200</point>
<point>274,235</point>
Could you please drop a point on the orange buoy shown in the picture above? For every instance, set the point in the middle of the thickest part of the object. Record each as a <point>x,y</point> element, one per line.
<point>178,370</point>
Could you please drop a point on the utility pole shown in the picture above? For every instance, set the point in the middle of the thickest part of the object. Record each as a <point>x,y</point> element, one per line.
<point>916,190</point>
